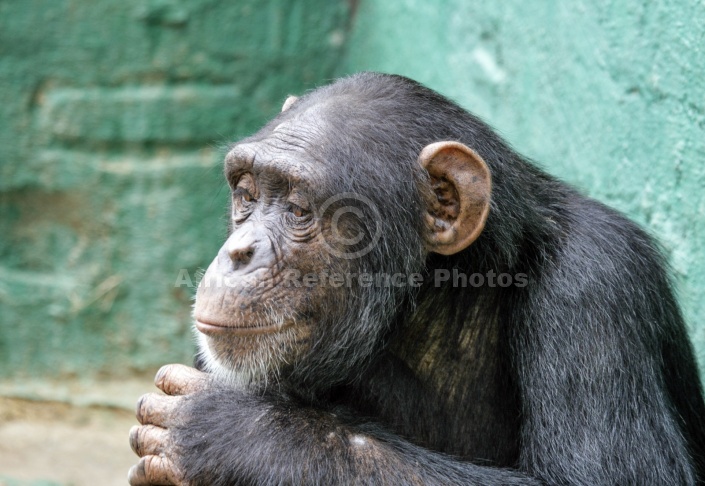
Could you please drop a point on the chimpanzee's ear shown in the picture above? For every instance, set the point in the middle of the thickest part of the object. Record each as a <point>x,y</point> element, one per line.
<point>462,185</point>
<point>290,100</point>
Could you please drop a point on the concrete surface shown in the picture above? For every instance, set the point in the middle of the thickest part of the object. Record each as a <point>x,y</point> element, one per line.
<point>53,444</point>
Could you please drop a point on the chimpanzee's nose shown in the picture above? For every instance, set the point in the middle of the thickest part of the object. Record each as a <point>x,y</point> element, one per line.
<point>241,245</point>
<point>246,250</point>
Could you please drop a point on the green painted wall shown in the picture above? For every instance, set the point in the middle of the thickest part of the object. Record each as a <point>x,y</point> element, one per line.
<point>608,95</point>
<point>112,115</point>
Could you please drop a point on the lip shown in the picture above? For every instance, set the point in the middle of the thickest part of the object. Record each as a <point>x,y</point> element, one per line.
<point>214,329</point>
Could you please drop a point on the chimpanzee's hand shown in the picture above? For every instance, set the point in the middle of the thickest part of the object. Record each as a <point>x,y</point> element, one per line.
<point>158,413</point>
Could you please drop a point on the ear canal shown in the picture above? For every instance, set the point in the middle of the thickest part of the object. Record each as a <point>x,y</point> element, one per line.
<point>462,186</point>
<point>290,100</point>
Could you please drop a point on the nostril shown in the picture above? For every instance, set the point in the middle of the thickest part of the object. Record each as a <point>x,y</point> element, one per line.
<point>242,256</point>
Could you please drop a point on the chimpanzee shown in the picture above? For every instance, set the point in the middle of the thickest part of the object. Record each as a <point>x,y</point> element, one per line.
<point>403,299</point>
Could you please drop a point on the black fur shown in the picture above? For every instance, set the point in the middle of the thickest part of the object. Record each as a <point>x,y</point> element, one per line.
<point>584,376</point>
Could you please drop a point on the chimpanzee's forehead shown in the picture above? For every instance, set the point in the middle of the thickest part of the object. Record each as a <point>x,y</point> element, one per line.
<point>278,155</point>
<point>295,146</point>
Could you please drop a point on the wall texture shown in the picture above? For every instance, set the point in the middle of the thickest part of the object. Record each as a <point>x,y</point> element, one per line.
<point>608,95</point>
<point>112,115</point>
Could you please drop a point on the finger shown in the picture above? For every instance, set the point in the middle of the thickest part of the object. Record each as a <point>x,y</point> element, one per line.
<point>176,379</point>
<point>156,409</point>
<point>152,471</point>
<point>148,440</point>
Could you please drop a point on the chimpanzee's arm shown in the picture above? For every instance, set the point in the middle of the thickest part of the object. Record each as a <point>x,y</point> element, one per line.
<point>272,441</point>
<point>228,437</point>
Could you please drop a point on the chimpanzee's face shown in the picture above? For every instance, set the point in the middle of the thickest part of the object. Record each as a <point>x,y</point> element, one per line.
<point>258,305</point>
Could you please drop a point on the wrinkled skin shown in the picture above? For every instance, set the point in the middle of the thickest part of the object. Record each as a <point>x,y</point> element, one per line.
<point>157,413</point>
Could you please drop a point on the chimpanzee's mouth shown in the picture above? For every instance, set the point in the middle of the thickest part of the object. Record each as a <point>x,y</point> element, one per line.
<point>211,328</point>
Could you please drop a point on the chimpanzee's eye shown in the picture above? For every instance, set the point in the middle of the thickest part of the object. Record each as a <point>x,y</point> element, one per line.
<point>242,196</point>
<point>298,211</point>
<point>243,202</point>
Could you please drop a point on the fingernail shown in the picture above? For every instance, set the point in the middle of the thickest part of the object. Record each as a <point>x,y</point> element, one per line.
<point>134,443</point>
<point>136,473</point>
<point>161,375</point>
<point>138,410</point>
